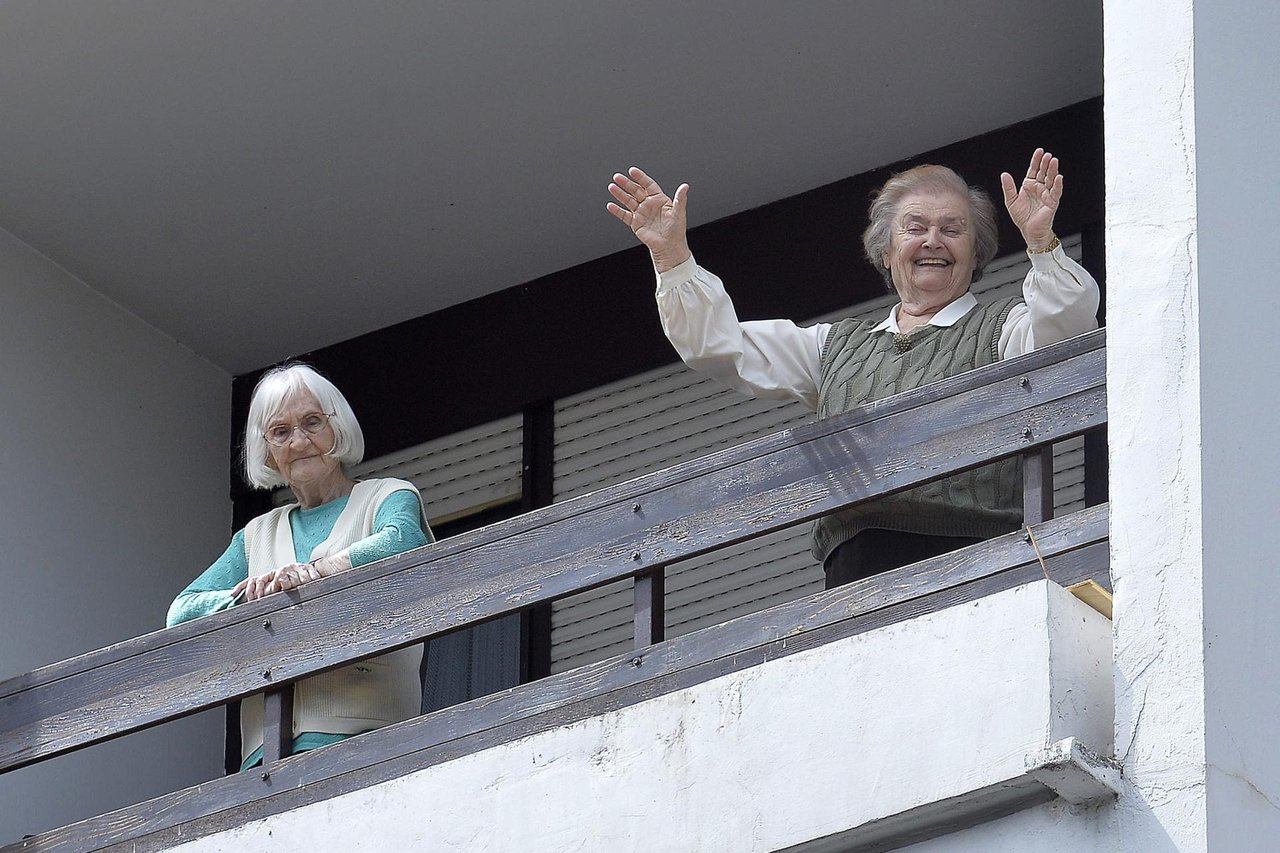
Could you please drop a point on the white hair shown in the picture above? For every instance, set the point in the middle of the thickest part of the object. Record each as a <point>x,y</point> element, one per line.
<point>269,397</point>
<point>877,239</point>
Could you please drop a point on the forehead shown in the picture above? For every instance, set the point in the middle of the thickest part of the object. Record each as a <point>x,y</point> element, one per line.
<point>932,207</point>
<point>295,404</point>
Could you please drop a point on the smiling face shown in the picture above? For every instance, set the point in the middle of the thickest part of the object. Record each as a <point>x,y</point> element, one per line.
<point>931,248</point>
<point>303,459</point>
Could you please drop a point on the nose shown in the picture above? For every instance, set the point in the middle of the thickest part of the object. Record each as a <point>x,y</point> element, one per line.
<point>297,434</point>
<point>933,238</point>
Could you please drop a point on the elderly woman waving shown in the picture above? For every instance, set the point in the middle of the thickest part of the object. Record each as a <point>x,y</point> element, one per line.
<point>930,236</point>
<point>302,433</point>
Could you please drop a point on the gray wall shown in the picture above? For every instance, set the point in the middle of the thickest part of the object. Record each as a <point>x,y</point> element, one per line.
<point>113,494</point>
<point>1237,187</point>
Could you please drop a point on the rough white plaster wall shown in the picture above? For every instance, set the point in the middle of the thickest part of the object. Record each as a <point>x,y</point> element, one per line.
<point>1153,389</point>
<point>791,750</point>
<point>114,470</point>
<point>1238,123</point>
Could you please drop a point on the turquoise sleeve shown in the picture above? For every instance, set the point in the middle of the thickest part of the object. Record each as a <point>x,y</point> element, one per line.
<point>398,526</point>
<point>212,590</point>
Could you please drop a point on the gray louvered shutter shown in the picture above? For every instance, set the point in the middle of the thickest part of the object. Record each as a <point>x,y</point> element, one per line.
<point>670,415</point>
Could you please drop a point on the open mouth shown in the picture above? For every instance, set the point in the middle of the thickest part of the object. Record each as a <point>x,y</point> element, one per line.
<point>932,262</point>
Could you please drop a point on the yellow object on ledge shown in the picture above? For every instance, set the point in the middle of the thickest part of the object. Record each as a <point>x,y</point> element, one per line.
<point>1093,594</point>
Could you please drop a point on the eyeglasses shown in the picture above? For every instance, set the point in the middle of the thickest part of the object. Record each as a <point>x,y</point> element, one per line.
<point>279,435</point>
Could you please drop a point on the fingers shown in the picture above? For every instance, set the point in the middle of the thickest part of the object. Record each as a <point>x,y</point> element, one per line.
<point>682,195</point>
<point>635,187</point>
<point>296,574</point>
<point>621,213</point>
<point>1055,192</point>
<point>1009,188</point>
<point>1043,169</point>
<point>253,589</point>
<point>1033,169</point>
<point>262,585</point>
<point>628,198</point>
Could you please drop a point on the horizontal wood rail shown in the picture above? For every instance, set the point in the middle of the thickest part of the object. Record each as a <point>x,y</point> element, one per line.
<point>632,529</point>
<point>1073,548</point>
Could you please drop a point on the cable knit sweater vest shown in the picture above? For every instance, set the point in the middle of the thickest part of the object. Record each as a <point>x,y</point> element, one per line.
<point>353,698</point>
<point>859,367</point>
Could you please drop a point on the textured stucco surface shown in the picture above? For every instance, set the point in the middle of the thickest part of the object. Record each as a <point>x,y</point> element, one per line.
<point>1153,388</point>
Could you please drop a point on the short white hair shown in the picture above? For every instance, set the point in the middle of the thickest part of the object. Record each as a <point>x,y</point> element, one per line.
<point>269,396</point>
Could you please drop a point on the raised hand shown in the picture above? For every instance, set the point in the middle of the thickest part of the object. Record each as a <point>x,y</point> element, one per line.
<point>1033,205</point>
<point>655,218</point>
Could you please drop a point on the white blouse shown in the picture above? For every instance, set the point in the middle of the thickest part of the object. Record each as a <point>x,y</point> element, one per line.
<point>778,360</point>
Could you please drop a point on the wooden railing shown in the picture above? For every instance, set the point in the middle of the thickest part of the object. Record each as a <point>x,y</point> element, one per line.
<point>632,530</point>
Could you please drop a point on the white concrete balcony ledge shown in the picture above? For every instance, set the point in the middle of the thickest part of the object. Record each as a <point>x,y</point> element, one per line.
<point>870,742</point>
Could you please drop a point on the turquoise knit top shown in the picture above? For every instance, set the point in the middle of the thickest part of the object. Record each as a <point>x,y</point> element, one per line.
<point>398,526</point>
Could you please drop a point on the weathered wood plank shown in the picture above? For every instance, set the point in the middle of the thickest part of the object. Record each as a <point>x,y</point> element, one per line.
<point>650,615</point>
<point>277,725</point>
<point>805,473</point>
<point>1037,485</point>
<point>1074,548</point>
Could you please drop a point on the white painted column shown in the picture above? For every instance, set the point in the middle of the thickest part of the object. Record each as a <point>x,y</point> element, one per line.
<point>1153,391</point>
<point>1193,382</point>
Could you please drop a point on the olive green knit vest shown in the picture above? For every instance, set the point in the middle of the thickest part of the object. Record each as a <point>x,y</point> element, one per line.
<point>858,367</point>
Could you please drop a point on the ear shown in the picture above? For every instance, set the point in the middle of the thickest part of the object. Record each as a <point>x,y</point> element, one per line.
<point>884,259</point>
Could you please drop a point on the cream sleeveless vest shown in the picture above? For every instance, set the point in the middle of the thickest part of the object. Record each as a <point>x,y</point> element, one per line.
<point>355,698</point>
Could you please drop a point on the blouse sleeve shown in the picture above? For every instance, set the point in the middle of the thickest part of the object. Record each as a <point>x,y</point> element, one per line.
<point>211,591</point>
<point>769,359</point>
<point>398,526</point>
<point>1061,302</point>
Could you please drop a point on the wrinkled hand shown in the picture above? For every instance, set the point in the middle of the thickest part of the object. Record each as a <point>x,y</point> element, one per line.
<point>1033,205</point>
<point>295,575</point>
<point>655,218</point>
<point>256,587</point>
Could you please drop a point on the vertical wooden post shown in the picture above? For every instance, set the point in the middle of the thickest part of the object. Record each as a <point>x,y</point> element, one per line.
<point>649,616</point>
<point>1095,466</point>
<point>1037,485</point>
<point>277,724</point>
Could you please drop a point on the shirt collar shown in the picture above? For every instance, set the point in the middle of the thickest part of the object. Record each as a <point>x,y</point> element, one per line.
<point>948,316</point>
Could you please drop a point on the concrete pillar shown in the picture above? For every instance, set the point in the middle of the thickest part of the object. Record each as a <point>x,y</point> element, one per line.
<point>1192,367</point>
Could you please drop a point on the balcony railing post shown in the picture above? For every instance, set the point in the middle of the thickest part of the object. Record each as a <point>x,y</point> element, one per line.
<point>649,616</point>
<point>277,724</point>
<point>1037,485</point>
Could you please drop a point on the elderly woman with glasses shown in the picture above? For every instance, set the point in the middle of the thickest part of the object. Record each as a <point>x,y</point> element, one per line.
<point>930,236</point>
<point>301,433</point>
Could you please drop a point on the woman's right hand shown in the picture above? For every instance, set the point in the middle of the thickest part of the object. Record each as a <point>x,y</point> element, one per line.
<point>656,219</point>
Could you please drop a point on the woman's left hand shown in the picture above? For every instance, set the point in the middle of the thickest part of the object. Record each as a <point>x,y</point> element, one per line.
<point>255,587</point>
<point>295,575</point>
<point>1033,205</point>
